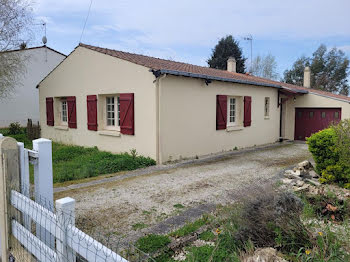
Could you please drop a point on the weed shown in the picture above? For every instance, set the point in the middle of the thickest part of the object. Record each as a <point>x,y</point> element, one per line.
<point>138,226</point>
<point>190,227</point>
<point>152,242</point>
<point>207,236</point>
<point>179,206</point>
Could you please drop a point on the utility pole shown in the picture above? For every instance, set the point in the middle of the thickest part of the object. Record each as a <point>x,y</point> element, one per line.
<point>250,38</point>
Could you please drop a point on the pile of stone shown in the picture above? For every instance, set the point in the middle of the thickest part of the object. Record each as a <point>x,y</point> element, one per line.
<point>301,177</point>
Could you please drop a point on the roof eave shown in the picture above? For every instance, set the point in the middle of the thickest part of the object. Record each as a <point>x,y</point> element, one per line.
<point>206,77</point>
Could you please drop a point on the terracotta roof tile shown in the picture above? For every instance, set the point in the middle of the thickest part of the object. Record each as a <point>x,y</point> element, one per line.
<point>163,64</point>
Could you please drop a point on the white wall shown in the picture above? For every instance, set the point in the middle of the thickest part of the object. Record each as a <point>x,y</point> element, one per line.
<point>24,102</point>
<point>86,72</point>
<point>188,118</point>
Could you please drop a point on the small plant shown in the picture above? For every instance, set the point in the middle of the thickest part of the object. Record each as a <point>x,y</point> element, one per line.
<point>15,129</point>
<point>190,227</point>
<point>133,153</point>
<point>179,206</point>
<point>138,226</point>
<point>152,242</point>
<point>207,236</point>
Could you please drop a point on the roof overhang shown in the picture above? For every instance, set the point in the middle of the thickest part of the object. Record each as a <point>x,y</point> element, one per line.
<point>159,72</point>
<point>289,91</point>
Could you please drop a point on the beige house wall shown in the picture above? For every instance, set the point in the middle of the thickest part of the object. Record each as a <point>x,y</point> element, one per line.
<point>86,72</point>
<point>309,100</point>
<point>188,118</point>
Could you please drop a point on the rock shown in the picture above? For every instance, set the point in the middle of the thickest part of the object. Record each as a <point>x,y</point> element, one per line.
<point>313,174</point>
<point>287,181</point>
<point>303,188</point>
<point>299,183</point>
<point>305,164</point>
<point>292,175</point>
<point>268,254</point>
<point>313,182</point>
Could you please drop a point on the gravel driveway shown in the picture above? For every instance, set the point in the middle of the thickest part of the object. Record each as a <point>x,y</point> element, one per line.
<point>135,205</point>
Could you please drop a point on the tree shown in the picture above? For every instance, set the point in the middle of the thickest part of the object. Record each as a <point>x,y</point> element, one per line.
<point>265,66</point>
<point>226,47</point>
<point>15,21</point>
<point>329,70</point>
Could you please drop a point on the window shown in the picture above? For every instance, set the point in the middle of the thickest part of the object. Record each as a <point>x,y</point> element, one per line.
<point>311,114</point>
<point>267,107</point>
<point>112,112</point>
<point>300,114</point>
<point>336,115</point>
<point>232,110</point>
<point>64,117</point>
<point>323,114</point>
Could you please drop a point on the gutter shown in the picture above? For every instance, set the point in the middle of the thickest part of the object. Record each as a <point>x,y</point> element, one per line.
<point>331,97</point>
<point>160,72</point>
<point>158,133</point>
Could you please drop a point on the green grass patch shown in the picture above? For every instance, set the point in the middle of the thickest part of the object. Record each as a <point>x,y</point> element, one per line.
<point>152,243</point>
<point>203,253</point>
<point>179,206</point>
<point>138,226</point>
<point>190,227</point>
<point>207,236</point>
<point>77,162</point>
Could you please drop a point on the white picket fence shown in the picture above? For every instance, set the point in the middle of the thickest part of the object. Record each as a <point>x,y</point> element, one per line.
<point>56,237</point>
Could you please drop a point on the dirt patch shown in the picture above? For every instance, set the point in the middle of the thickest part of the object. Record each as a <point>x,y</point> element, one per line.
<point>151,199</point>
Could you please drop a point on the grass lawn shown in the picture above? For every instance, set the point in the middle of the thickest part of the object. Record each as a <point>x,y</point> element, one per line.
<point>76,162</point>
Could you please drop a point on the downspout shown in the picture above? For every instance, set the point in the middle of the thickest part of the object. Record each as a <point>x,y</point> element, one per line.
<point>281,111</point>
<point>158,114</point>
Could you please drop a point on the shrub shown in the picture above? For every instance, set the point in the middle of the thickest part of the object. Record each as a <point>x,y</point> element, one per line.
<point>274,220</point>
<point>15,129</point>
<point>331,151</point>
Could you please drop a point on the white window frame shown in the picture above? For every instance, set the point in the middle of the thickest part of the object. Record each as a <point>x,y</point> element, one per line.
<point>116,111</point>
<point>267,107</point>
<point>63,108</point>
<point>229,110</point>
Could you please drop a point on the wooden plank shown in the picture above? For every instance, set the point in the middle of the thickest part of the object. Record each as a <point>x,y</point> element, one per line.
<point>89,248</point>
<point>38,213</point>
<point>36,247</point>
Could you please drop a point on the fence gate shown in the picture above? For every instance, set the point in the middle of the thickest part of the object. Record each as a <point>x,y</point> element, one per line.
<point>39,230</point>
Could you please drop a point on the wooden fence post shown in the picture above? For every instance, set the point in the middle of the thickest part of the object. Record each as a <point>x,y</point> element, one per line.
<point>43,183</point>
<point>9,180</point>
<point>65,211</point>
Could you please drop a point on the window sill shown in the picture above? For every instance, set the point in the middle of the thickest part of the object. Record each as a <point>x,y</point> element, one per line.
<point>108,133</point>
<point>61,127</point>
<point>234,128</point>
<point>266,117</point>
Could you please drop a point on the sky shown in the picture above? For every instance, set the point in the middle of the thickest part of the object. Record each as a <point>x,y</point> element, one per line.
<point>187,30</point>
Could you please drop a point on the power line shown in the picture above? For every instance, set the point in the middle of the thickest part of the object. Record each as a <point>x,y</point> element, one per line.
<point>87,17</point>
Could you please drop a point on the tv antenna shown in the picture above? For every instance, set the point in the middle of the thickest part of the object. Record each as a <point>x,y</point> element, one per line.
<point>250,38</point>
<point>87,17</point>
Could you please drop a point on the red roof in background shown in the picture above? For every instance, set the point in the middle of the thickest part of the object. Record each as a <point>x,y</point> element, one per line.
<point>163,64</point>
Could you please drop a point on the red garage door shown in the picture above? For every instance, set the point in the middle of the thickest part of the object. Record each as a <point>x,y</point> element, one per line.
<point>312,120</point>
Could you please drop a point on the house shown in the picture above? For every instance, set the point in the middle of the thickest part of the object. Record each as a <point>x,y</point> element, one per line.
<point>23,102</point>
<point>168,110</point>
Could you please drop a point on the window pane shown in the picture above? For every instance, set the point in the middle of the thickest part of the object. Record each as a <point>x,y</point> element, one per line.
<point>311,114</point>
<point>232,112</point>
<point>110,111</point>
<point>336,115</point>
<point>64,111</point>
<point>323,115</point>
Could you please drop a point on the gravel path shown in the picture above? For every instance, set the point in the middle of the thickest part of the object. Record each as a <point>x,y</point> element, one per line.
<point>124,207</point>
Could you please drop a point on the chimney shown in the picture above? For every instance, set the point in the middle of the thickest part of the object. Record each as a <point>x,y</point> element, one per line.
<point>307,77</point>
<point>231,64</point>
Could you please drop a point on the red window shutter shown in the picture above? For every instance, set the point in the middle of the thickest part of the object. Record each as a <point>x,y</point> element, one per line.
<point>247,111</point>
<point>127,125</point>
<point>72,112</point>
<point>221,112</point>
<point>49,111</point>
<point>92,112</point>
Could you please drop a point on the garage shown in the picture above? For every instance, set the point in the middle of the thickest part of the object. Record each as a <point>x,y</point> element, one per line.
<point>312,120</point>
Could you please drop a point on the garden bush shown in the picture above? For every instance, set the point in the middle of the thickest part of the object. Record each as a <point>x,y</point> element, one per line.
<point>274,220</point>
<point>15,129</point>
<point>331,151</point>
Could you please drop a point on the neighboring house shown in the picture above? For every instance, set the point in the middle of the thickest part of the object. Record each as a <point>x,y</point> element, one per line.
<point>168,110</point>
<point>23,103</point>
